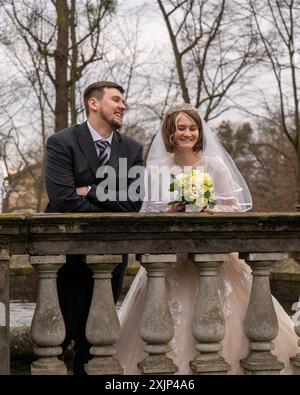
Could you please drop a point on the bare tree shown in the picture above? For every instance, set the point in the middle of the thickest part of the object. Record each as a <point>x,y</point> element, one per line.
<point>265,160</point>
<point>125,63</point>
<point>22,164</point>
<point>64,37</point>
<point>145,75</point>
<point>213,49</point>
<point>278,28</point>
<point>49,45</point>
<point>60,79</point>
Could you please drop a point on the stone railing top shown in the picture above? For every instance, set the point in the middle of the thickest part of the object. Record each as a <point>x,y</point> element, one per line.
<point>108,233</point>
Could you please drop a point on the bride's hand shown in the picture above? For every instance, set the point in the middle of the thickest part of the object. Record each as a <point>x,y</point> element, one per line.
<point>176,208</point>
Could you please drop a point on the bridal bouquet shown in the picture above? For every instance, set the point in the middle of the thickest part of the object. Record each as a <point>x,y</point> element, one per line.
<point>194,189</point>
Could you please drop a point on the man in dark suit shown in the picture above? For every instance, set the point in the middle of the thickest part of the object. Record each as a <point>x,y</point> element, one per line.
<point>73,157</point>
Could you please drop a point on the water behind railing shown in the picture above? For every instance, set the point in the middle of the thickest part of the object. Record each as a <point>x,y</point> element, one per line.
<point>21,313</point>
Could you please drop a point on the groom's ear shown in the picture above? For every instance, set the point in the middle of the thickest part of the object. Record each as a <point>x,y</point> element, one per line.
<point>93,103</point>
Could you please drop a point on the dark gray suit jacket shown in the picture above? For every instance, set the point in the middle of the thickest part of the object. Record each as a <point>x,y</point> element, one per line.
<point>72,162</point>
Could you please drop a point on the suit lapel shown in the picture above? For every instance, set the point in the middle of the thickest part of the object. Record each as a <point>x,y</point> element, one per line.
<point>87,145</point>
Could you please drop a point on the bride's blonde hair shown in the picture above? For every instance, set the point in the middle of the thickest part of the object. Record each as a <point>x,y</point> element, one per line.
<point>169,126</point>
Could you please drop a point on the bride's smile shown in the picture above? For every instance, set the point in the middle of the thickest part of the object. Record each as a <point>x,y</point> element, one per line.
<point>186,133</point>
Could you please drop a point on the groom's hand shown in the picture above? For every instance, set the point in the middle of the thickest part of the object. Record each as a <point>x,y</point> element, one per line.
<point>82,191</point>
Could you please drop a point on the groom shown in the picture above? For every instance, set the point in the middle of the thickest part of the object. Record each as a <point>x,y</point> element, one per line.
<point>73,157</point>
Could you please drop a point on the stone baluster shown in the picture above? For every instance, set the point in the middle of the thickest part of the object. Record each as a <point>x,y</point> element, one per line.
<point>261,325</point>
<point>209,323</point>
<point>47,328</point>
<point>296,319</point>
<point>157,327</point>
<point>103,327</point>
<point>4,312</point>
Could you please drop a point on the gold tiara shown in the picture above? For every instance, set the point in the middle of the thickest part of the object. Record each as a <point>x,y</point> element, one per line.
<point>182,107</point>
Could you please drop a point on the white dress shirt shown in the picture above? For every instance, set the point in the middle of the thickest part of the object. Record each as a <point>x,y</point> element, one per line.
<point>96,136</point>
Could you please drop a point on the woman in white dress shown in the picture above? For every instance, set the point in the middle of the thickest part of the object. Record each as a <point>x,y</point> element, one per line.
<point>186,140</point>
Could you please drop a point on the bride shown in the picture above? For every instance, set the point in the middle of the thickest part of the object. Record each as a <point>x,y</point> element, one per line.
<point>186,142</point>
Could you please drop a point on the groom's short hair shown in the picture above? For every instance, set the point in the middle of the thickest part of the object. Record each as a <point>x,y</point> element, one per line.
<point>97,90</point>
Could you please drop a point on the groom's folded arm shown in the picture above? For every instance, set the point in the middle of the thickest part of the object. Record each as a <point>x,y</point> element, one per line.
<point>61,186</point>
<point>119,205</point>
<point>60,181</point>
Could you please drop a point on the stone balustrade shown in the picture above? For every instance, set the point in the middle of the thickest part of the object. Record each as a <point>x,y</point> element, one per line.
<point>261,239</point>
<point>47,327</point>
<point>157,327</point>
<point>103,327</point>
<point>296,360</point>
<point>260,309</point>
<point>209,323</point>
<point>4,311</point>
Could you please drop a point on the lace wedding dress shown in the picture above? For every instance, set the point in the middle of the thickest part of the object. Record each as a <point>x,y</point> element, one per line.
<point>182,285</point>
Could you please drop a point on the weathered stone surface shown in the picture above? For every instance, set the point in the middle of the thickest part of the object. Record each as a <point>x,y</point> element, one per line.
<point>157,364</point>
<point>104,365</point>
<point>296,363</point>
<point>108,233</point>
<point>208,323</point>
<point>103,327</point>
<point>14,232</point>
<point>47,328</point>
<point>296,319</point>
<point>212,366</point>
<point>261,363</point>
<point>4,312</point>
<point>20,262</point>
<point>48,366</point>
<point>260,309</point>
<point>157,328</point>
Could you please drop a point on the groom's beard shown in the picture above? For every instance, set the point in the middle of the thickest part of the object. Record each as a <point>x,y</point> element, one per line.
<point>112,122</point>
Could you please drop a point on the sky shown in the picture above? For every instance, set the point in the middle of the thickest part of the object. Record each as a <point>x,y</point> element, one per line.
<point>153,29</point>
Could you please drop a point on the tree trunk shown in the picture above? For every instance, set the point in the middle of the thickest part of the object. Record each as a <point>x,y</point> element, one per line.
<point>74,61</point>
<point>177,55</point>
<point>61,65</point>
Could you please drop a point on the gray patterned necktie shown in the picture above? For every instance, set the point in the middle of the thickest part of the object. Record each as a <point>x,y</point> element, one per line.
<point>103,155</point>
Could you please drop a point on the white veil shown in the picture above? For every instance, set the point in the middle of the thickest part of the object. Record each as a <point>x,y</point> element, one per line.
<point>229,184</point>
